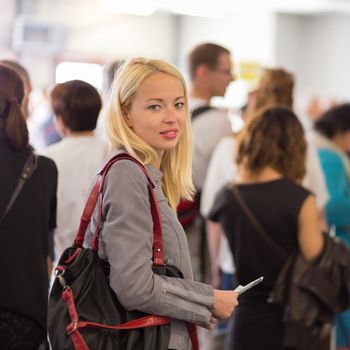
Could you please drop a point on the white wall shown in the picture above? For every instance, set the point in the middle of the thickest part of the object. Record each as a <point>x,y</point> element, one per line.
<point>96,34</point>
<point>250,36</point>
<point>95,31</point>
<point>6,14</point>
<point>290,30</point>
<point>314,47</point>
<point>327,56</point>
<point>317,49</point>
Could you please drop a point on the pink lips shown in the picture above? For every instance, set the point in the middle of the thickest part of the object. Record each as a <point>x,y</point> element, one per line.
<point>170,133</point>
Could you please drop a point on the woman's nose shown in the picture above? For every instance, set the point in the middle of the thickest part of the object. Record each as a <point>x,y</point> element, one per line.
<point>170,115</point>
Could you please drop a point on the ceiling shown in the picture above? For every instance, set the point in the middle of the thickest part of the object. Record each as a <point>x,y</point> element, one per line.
<point>221,8</point>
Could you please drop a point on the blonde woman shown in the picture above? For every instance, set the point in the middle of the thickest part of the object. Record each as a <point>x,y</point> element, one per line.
<point>148,118</point>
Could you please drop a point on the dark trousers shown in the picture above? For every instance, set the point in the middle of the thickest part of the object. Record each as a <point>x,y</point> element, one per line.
<point>20,333</point>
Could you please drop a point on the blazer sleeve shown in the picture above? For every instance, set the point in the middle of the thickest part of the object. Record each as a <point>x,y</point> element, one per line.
<point>127,238</point>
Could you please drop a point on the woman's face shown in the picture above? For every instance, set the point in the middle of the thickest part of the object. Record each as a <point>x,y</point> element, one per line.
<point>158,112</point>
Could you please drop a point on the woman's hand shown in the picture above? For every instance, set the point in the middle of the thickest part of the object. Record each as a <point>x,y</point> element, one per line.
<point>211,324</point>
<point>225,302</point>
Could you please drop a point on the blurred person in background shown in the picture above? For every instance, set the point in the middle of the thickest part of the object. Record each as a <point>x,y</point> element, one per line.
<point>271,165</point>
<point>44,133</point>
<point>24,75</point>
<point>332,138</point>
<point>108,74</point>
<point>78,156</point>
<point>25,226</point>
<point>39,118</point>
<point>211,71</point>
<point>276,87</point>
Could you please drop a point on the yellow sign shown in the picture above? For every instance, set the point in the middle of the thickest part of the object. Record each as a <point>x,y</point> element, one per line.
<point>250,71</point>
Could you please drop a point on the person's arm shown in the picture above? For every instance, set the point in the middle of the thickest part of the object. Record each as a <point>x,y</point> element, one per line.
<point>323,220</point>
<point>214,232</point>
<point>309,233</point>
<point>315,181</point>
<point>51,252</point>
<point>127,237</point>
<point>221,170</point>
<point>52,217</point>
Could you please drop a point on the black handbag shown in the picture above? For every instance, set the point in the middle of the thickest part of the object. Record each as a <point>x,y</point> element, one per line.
<point>84,312</point>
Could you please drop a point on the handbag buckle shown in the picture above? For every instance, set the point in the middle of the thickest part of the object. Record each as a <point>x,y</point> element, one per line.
<point>75,327</point>
<point>59,275</point>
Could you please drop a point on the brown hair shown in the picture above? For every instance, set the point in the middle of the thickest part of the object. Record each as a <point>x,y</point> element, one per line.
<point>276,88</point>
<point>334,121</point>
<point>78,103</point>
<point>21,71</point>
<point>274,137</point>
<point>24,75</point>
<point>207,54</point>
<point>12,121</point>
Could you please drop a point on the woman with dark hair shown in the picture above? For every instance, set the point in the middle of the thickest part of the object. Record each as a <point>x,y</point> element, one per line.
<point>25,221</point>
<point>27,84</point>
<point>275,88</point>
<point>271,164</point>
<point>332,138</point>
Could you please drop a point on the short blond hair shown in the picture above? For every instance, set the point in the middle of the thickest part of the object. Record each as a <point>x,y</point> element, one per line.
<point>176,164</point>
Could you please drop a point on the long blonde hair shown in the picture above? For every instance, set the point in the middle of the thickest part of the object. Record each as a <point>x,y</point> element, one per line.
<point>176,163</point>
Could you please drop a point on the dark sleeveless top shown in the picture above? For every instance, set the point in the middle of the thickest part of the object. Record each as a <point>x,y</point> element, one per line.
<point>24,234</point>
<point>276,205</point>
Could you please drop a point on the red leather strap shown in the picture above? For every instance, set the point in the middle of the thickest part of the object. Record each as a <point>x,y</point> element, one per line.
<point>73,256</point>
<point>87,213</point>
<point>97,192</point>
<point>67,295</point>
<point>78,341</point>
<point>143,322</point>
<point>192,331</point>
<point>146,321</point>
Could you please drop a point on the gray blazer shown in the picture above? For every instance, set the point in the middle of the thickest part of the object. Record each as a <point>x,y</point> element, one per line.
<point>126,243</point>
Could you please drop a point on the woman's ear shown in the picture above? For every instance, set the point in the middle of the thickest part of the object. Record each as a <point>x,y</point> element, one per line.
<point>126,117</point>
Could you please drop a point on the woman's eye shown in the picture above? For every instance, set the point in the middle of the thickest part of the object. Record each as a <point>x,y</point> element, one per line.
<point>179,105</point>
<point>154,107</point>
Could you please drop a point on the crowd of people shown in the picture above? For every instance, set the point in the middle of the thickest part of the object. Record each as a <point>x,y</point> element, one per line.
<point>234,206</point>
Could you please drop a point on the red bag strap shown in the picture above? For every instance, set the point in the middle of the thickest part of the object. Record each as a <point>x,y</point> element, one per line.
<point>97,192</point>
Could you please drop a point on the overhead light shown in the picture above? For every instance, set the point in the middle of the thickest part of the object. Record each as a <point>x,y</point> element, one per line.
<point>197,9</point>
<point>130,7</point>
<point>89,72</point>
<point>197,12</point>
